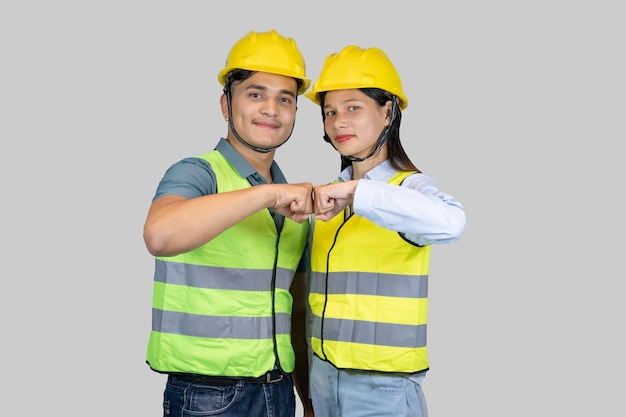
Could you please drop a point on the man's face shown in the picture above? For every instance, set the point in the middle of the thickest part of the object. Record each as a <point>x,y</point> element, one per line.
<point>263,108</point>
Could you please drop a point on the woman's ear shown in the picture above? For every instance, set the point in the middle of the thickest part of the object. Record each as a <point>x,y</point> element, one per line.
<point>388,110</point>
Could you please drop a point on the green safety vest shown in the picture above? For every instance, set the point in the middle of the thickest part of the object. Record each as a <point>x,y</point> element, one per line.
<point>368,296</point>
<point>224,309</point>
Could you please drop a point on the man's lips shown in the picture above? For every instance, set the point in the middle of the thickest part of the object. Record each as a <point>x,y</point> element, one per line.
<point>267,125</point>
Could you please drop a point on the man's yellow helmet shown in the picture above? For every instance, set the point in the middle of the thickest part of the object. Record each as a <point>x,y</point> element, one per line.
<point>266,52</point>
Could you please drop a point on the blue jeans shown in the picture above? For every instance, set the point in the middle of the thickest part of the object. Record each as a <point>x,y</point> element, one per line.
<point>184,399</point>
<point>343,393</point>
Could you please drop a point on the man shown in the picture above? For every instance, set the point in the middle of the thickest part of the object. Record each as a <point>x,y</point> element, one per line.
<point>228,234</point>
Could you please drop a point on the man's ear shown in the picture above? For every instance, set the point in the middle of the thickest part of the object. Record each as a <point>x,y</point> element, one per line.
<point>224,106</point>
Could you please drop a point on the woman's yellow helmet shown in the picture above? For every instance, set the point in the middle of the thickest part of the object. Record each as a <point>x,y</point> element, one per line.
<point>355,67</point>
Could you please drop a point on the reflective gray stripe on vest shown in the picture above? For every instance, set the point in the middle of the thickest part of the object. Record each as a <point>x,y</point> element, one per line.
<point>200,276</point>
<point>219,327</point>
<point>367,283</point>
<point>382,334</point>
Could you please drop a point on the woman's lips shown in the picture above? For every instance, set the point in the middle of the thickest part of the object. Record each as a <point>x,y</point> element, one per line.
<point>343,138</point>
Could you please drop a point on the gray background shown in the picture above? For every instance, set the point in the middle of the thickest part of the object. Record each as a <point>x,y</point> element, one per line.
<point>515,108</point>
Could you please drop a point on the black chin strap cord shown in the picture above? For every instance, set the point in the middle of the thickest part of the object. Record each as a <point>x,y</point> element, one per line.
<point>239,138</point>
<point>381,139</point>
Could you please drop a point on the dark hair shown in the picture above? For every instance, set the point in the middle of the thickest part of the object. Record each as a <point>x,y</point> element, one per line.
<point>239,75</point>
<point>395,152</point>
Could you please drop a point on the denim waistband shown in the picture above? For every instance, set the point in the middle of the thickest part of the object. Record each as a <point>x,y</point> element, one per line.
<point>269,378</point>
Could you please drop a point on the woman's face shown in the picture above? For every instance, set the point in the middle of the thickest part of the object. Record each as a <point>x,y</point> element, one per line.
<point>354,121</point>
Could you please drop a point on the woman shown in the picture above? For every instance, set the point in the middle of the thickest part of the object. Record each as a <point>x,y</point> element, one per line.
<point>374,227</point>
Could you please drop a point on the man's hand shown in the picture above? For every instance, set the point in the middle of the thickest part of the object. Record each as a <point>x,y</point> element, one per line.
<point>294,201</point>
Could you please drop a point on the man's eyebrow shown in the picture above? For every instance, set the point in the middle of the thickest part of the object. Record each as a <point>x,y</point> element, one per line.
<point>264,88</point>
<point>256,87</point>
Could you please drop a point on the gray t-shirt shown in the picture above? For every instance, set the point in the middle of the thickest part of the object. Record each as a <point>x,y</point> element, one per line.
<point>193,177</point>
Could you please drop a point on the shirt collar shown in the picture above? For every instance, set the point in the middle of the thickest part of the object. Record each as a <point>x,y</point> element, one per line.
<point>382,172</point>
<point>243,167</point>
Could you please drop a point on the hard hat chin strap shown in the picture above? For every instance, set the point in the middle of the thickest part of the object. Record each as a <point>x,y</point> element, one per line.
<point>381,139</point>
<point>239,138</point>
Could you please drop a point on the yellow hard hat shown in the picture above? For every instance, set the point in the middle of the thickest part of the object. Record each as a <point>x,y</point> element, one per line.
<point>355,67</point>
<point>266,52</point>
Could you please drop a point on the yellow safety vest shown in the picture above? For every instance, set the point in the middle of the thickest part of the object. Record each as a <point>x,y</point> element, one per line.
<point>368,296</point>
<point>224,309</point>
